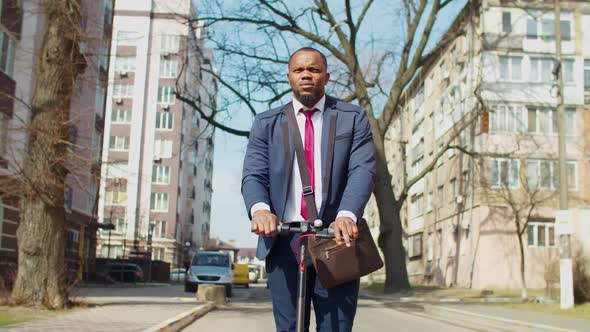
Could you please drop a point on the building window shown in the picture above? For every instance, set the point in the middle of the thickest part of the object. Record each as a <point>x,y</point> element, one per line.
<point>168,68</point>
<point>541,70</point>
<point>111,251</point>
<point>541,234</point>
<point>68,196</point>
<point>169,44</point>
<point>510,68</point>
<point>568,71</point>
<point>415,245</point>
<point>453,184</point>
<point>544,174</point>
<point>587,76</point>
<point>160,174</point>
<point>158,254</point>
<point>159,202</point>
<point>120,116</point>
<point>531,28</point>
<point>160,229</point>
<point>164,120</point>
<point>120,143</point>
<point>430,248</point>
<point>166,95</point>
<point>117,170</point>
<point>504,172</point>
<point>441,195</point>
<point>544,121</point>
<point>124,64</point>
<point>122,91</point>
<point>506,22</point>
<point>506,119</point>
<point>7,45</point>
<point>127,38</point>
<point>417,203</point>
<point>119,223</point>
<point>115,198</point>
<point>163,148</point>
<point>547,28</point>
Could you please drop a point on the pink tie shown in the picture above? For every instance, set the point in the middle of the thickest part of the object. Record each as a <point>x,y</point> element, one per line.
<point>308,149</point>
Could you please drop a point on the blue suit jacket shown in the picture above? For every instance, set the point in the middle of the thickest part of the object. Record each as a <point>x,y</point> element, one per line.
<point>268,165</point>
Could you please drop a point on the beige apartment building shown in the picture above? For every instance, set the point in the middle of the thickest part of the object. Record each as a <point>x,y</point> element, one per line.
<point>459,220</point>
<point>156,184</point>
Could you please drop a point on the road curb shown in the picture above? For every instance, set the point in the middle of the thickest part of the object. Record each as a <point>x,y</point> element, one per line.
<point>182,320</point>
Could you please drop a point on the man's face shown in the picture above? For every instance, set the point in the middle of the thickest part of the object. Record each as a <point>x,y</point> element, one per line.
<point>308,77</point>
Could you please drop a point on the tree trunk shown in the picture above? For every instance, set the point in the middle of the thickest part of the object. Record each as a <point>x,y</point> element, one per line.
<point>524,294</point>
<point>390,228</point>
<point>41,279</point>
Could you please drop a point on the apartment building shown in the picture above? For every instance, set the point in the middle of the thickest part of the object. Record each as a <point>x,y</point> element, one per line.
<point>22,27</point>
<point>156,180</point>
<point>459,220</point>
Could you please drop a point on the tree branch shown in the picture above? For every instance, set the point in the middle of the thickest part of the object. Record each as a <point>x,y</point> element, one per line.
<point>363,14</point>
<point>232,89</point>
<point>210,118</point>
<point>293,29</point>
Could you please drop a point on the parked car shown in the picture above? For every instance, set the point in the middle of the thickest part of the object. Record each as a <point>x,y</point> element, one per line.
<point>241,275</point>
<point>177,275</point>
<point>124,272</point>
<point>210,267</point>
<point>253,273</point>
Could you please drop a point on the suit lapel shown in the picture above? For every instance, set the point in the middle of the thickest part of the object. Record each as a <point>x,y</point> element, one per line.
<point>288,154</point>
<point>329,119</point>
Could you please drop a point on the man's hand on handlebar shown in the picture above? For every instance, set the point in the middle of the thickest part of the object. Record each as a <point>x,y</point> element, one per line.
<point>264,223</point>
<point>345,230</point>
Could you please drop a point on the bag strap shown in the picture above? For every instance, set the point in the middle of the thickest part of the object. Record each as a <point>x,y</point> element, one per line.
<point>308,194</point>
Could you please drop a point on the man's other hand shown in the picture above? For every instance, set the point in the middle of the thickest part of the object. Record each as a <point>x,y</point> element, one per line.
<point>264,223</point>
<point>345,230</point>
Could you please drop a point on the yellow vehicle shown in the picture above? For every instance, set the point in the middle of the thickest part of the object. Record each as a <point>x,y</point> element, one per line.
<point>241,275</point>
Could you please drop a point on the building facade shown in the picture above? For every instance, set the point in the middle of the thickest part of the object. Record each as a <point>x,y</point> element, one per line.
<point>156,179</point>
<point>21,34</point>
<point>489,94</point>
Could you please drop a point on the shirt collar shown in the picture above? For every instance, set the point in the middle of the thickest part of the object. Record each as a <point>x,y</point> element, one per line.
<point>297,105</point>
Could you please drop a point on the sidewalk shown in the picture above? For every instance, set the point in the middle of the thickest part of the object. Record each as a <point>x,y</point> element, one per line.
<point>117,309</point>
<point>537,321</point>
<point>480,311</point>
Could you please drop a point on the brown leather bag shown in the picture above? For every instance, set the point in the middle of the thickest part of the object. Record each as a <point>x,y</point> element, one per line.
<point>335,264</point>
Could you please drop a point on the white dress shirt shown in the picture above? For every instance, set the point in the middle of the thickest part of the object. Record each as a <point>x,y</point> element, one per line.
<point>293,205</point>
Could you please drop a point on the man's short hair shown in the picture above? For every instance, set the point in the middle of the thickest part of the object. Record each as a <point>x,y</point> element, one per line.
<point>310,49</point>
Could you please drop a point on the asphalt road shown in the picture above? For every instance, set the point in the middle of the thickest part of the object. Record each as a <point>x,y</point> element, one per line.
<point>250,310</point>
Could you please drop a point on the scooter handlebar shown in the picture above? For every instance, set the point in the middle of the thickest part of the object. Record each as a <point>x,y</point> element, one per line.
<point>305,228</point>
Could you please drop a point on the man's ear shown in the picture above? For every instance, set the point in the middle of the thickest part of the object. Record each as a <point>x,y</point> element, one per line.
<point>327,77</point>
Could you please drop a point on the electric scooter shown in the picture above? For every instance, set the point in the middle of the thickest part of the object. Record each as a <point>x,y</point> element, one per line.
<point>305,230</point>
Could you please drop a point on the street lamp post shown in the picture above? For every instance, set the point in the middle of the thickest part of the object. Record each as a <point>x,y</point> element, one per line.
<point>563,220</point>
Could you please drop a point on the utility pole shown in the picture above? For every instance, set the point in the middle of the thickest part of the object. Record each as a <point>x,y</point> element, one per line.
<point>564,217</point>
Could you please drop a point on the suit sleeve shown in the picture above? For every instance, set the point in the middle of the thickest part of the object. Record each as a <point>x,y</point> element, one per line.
<point>361,168</point>
<point>255,178</point>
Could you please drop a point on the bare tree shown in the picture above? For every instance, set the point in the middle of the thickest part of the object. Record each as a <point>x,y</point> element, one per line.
<point>522,194</point>
<point>41,273</point>
<point>253,56</point>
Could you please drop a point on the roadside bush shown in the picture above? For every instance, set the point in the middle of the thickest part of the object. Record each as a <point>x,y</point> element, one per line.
<point>581,278</point>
